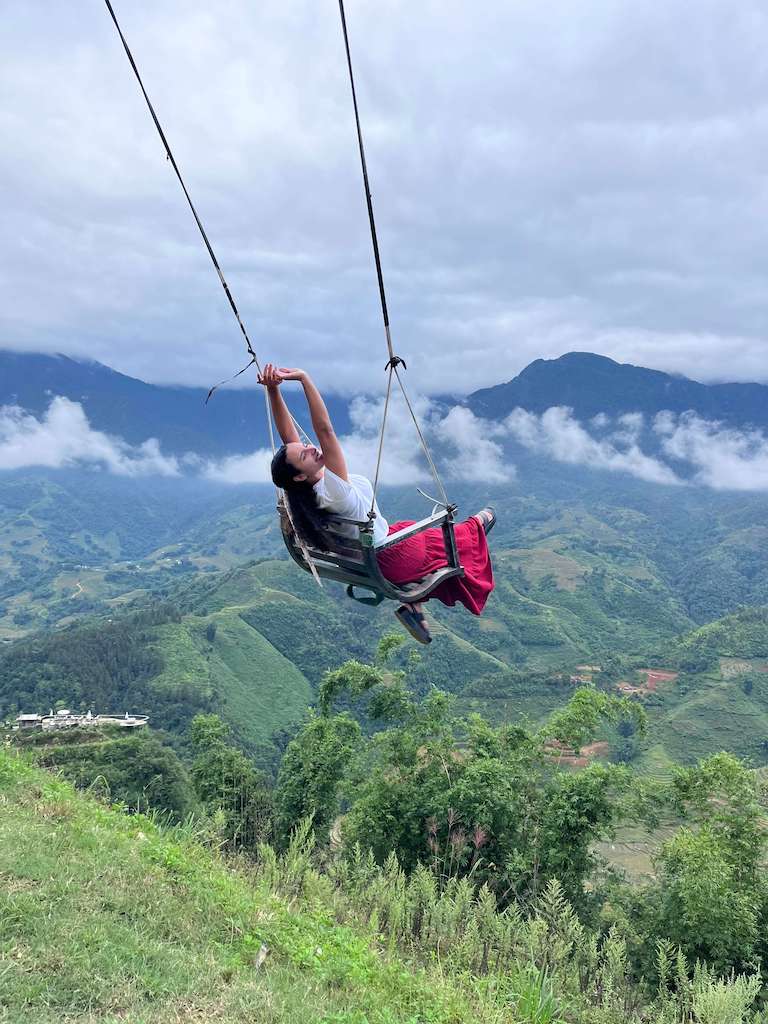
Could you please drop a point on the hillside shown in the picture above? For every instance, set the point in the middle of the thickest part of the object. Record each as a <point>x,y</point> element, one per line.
<point>591,384</point>
<point>105,917</point>
<point>159,663</point>
<point>231,423</point>
<point>743,635</point>
<point>580,577</point>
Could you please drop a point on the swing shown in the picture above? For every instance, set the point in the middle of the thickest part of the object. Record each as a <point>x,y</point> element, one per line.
<point>353,560</point>
<point>349,560</point>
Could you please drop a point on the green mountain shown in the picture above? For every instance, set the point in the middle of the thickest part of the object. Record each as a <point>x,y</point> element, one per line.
<point>232,422</point>
<point>583,576</point>
<point>591,384</point>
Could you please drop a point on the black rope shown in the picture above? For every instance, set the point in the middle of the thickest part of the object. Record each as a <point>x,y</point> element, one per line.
<point>368,198</point>
<point>394,361</point>
<point>209,247</point>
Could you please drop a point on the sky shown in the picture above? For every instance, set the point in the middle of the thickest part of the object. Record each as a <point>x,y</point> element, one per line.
<point>547,177</point>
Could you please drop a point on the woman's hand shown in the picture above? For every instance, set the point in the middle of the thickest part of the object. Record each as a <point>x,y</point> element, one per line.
<point>270,376</point>
<point>286,373</point>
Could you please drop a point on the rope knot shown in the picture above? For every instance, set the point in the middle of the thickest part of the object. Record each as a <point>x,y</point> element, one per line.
<point>394,362</point>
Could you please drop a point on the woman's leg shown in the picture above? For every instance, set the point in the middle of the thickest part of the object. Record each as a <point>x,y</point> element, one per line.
<point>411,616</point>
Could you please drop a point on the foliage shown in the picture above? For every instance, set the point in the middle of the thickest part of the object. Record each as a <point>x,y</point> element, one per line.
<point>135,768</point>
<point>228,785</point>
<point>496,808</point>
<point>311,773</point>
<point>148,925</point>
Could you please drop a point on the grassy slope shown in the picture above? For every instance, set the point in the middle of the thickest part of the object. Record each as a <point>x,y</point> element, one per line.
<point>255,688</point>
<point>715,712</point>
<point>104,918</point>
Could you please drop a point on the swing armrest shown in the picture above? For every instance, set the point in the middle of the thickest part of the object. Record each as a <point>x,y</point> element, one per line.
<point>438,519</point>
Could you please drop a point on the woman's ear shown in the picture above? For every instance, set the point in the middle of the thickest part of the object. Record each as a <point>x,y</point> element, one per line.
<point>300,478</point>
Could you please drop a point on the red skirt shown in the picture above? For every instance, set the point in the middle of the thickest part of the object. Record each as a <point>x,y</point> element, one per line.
<point>424,553</point>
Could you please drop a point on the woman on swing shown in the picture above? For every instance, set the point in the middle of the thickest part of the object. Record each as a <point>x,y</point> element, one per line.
<point>316,484</point>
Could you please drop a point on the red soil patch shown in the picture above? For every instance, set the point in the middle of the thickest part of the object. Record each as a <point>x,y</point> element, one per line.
<point>559,752</point>
<point>653,677</point>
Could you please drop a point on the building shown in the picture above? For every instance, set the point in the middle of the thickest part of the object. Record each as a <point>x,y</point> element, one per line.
<point>66,719</point>
<point>29,721</point>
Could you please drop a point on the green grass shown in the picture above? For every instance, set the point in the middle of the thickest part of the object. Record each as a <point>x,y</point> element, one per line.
<point>105,917</point>
<point>255,688</point>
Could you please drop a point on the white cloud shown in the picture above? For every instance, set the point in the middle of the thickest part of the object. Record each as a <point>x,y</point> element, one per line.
<point>64,437</point>
<point>723,458</point>
<point>703,452</point>
<point>559,435</point>
<point>240,469</point>
<point>461,442</point>
<point>466,448</point>
<point>473,454</point>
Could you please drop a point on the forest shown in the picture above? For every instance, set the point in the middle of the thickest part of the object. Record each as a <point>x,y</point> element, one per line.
<point>480,841</point>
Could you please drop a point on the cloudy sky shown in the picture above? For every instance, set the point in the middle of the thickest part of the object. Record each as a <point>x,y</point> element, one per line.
<point>546,177</point>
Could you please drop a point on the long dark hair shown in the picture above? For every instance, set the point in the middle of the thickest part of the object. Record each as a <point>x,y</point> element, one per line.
<point>307,517</point>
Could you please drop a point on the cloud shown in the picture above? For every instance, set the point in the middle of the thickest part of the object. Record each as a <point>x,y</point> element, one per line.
<point>240,469</point>
<point>559,435</point>
<point>686,449</point>
<point>463,445</point>
<point>703,452</point>
<point>596,188</point>
<point>64,437</point>
<point>723,458</point>
<point>474,455</point>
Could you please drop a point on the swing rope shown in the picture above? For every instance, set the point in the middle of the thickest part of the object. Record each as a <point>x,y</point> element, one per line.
<point>394,360</point>
<point>254,360</point>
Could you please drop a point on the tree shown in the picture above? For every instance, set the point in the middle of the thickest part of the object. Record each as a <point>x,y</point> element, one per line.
<point>712,893</point>
<point>705,909</point>
<point>227,782</point>
<point>497,809</point>
<point>311,772</point>
<point>135,769</point>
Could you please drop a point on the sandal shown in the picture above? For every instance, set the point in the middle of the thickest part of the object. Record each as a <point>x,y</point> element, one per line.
<point>414,622</point>
<point>487,517</point>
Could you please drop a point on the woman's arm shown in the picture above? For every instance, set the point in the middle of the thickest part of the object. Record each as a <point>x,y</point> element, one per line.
<point>333,456</point>
<point>286,428</point>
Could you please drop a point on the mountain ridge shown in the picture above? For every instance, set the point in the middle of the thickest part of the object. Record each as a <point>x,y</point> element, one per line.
<point>233,423</point>
<point>591,384</point>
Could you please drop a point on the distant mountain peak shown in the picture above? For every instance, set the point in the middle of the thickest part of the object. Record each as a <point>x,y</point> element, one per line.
<point>590,384</point>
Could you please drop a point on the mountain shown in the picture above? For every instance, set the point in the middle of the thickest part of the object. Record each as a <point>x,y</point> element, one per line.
<point>233,422</point>
<point>591,384</point>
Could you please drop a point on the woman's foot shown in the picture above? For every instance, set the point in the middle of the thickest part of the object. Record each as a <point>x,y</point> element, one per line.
<point>487,518</point>
<point>413,620</point>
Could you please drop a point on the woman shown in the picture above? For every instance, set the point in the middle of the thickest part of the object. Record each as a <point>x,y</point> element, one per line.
<point>317,483</point>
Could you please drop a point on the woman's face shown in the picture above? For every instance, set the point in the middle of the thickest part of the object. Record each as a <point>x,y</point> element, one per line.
<point>306,459</point>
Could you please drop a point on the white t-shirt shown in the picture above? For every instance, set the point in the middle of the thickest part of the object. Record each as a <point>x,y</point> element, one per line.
<point>350,499</point>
